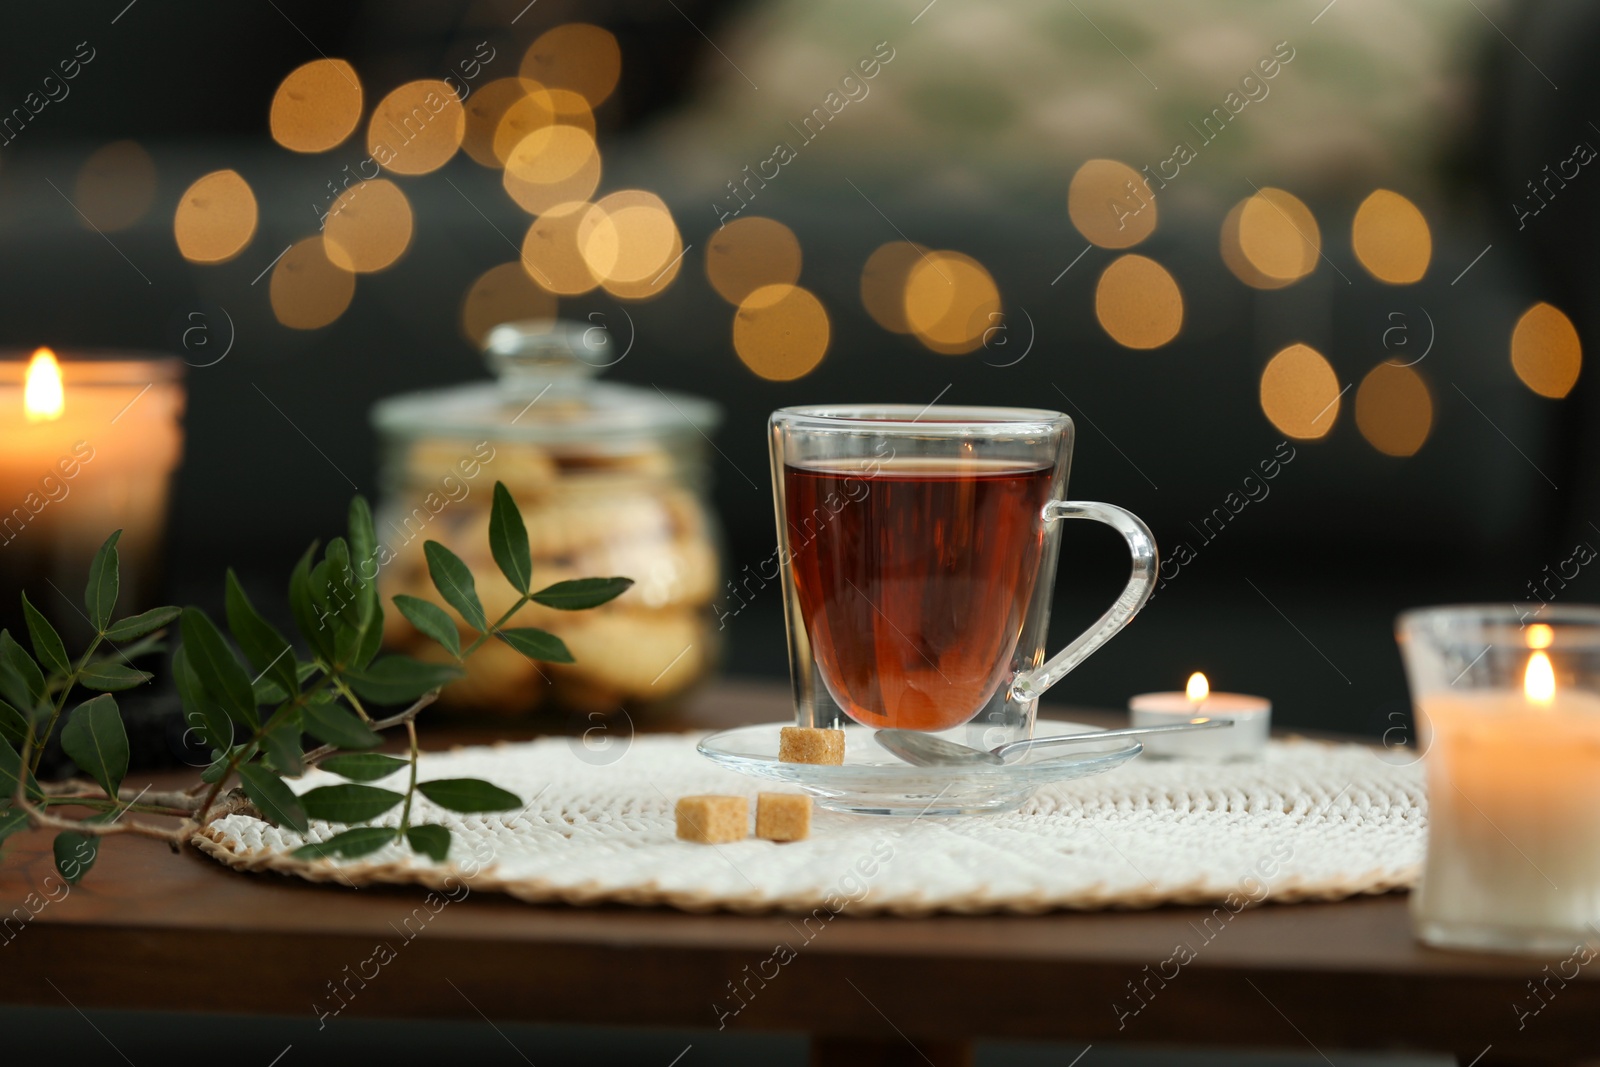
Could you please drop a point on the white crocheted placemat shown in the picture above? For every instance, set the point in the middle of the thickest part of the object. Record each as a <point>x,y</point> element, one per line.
<point>1309,821</point>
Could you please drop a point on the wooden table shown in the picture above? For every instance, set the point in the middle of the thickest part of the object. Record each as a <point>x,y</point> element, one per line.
<point>873,990</point>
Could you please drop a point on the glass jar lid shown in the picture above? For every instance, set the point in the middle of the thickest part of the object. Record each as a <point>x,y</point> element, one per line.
<point>545,392</point>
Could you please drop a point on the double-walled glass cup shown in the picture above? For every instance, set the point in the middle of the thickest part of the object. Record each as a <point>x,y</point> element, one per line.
<point>919,550</point>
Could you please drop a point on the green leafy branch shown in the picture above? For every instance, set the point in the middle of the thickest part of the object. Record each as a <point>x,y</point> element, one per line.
<point>255,713</point>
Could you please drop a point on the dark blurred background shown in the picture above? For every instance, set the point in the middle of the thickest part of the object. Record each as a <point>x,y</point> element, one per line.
<point>968,142</point>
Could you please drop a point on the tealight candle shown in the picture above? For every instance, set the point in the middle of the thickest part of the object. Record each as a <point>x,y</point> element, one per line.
<point>86,447</point>
<point>1251,715</point>
<point>1511,731</point>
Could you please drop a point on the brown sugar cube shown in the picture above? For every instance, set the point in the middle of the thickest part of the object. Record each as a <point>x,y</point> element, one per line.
<point>806,744</point>
<point>783,816</point>
<point>713,820</point>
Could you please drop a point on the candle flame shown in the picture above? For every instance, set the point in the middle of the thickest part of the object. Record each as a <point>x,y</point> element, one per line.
<point>1541,635</point>
<point>42,397</point>
<point>1539,680</point>
<point>1198,688</point>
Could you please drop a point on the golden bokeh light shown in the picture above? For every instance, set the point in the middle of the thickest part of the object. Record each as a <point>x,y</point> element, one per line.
<point>417,127</point>
<point>533,111</point>
<point>1138,303</point>
<point>1394,410</point>
<point>578,57</point>
<point>1300,393</point>
<point>308,291</point>
<point>750,253</point>
<point>215,218</point>
<point>1391,238</point>
<point>1546,352</point>
<point>781,332</point>
<point>950,301</point>
<point>1111,204</point>
<point>553,165</point>
<point>317,106</point>
<point>1278,235</point>
<point>485,109</point>
<point>646,288</point>
<point>116,186</point>
<point>503,294</point>
<point>368,226</point>
<point>551,250</point>
<point>883,283</point>
<point>628,239</point>
<point>1233,255</point>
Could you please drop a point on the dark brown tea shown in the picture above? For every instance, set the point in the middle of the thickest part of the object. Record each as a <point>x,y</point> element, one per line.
<point>913,582</point>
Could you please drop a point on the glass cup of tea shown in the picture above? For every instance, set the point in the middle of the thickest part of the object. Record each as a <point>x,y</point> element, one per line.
<point>918,548</point>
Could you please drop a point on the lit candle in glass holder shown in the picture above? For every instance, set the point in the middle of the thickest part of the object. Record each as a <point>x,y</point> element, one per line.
<point>1510,715</point>
<point>87,446</point>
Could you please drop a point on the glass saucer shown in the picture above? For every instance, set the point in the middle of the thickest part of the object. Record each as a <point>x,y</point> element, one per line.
<point>873,782</point>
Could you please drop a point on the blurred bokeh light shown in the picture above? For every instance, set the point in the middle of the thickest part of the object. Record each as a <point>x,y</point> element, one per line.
<point>950,301</point>
<point>1300,393</point>
<point>1391,238</point>
<point>317,106</point>
<point>781,332</point>
<point>116,186</point>
<point>308,291</point>
<point>503,294</point>
<point>1138,302</point>
<point>216,217</point>
<point>749,253</point>
<point>369,226</point>
<point>417,127</point>
<point>1394,409</point>
<point>1110,204</point>
<point>1546,352</point>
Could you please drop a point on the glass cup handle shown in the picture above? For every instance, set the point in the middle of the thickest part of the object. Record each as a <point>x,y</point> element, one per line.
<point>1029,685</point>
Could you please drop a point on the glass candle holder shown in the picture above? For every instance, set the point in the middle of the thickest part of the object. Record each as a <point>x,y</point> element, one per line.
<point>1508,705</point>
<point>88,444</point>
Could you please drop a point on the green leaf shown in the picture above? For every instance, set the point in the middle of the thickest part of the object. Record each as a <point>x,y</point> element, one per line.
<point>96,741</point>
<point>338,726</point>
<point>454,581</point>
<point>13,724</point>
<point>267,691</point>
<point>431,841</point>
<point>12,820</point>
<point>536,644</point>
<point>276,800</point>
<point>281,742</point>
<point>349,844</point>
<point>399,679</point>
<point>200,710</point>
<point>108,677</point>
<point>46,642</point>
<point>349,803</point>
<point>261,642</point>
<point>128,653</point>
<point>432,620</point>
<point>581,593</point>
<point>100,596</point>
<point>75,854</point>
<point>10,768</point>
<point>219,766</point>
<point>364,550</point>
<point>304,607</point>
<point>468,795</point>
<point>363,766</point>
<point>508,540</point>
<point>146,622</point>
<point>21,681</point>
<point>220,673</point>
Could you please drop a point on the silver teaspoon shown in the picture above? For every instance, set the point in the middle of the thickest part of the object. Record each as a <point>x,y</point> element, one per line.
<point>926,750</point>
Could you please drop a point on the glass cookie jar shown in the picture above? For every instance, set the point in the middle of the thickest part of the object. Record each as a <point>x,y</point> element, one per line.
<point>611,480</point>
